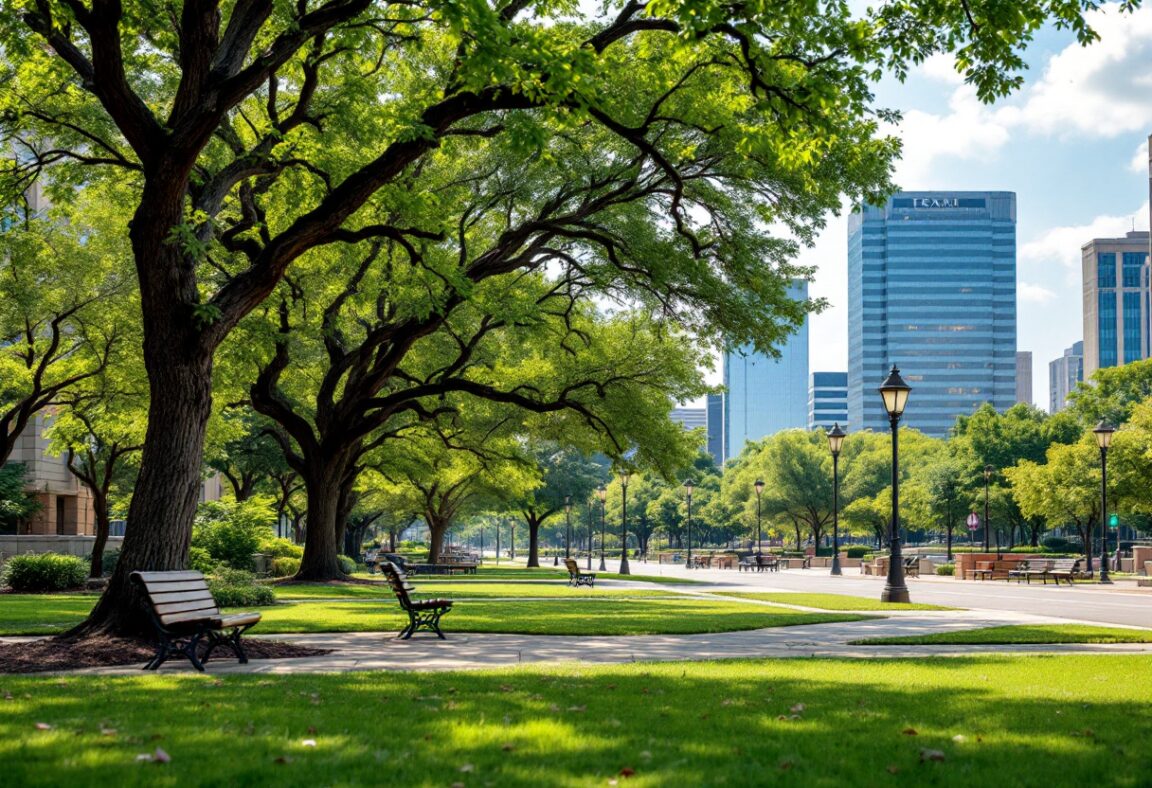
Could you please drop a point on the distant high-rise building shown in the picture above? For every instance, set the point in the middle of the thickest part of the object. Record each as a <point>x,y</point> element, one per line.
<point>1063,375</point>
<point>691,418</point>
<point>764,395</point>
<point>828,400</point>
<point>932,288</point>
<point>715,410</point>
<point>1024,376</point>
<point>1116,301</point>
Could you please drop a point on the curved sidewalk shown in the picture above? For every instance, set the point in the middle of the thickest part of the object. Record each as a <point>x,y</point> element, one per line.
<point>358,651</point>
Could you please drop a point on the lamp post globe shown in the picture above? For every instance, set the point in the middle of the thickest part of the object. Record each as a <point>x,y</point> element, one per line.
<point>624,477</point>
<point>895,393</point>
<point>601,493</point>
<point>1103,433</point>
<point>758,486</point>
<point>835,442</point>
<point>689,486</point>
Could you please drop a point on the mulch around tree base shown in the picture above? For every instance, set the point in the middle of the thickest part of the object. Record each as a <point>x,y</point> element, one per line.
<point>37,656</point>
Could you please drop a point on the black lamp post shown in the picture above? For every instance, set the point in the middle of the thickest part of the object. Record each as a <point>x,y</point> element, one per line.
<point>758,486</point>
<point>567,526</point>
<point>591,534</point>
<point>835,441</point>
<point>988,470</point>
<point>689,486</point>
<point>624,477</point>
<point>600,493</point>
<point>1103,433</point>
<point>895,393</point>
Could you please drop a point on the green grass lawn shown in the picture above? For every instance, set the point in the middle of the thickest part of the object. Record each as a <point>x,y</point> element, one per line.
<point>833,601</point>
<point>964,721</point>
<point>473,590</point>
<point>520,572</point>
<point>1018,634</point>
<point>576,615</point>
<point>547,617</point>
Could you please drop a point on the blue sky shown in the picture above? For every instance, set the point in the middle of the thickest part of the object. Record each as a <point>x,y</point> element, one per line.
<point>1072,144</point>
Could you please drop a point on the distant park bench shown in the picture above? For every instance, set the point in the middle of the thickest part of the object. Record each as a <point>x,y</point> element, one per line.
<point>422,613</point>
<point>576,578</point>
<point>184,614</point>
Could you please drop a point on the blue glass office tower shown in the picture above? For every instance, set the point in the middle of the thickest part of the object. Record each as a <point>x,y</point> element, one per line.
<point>932,288</point>
<point>1116,296</point>
<point>764,395</point>
<point>828,400</point>
<point>715,409</point>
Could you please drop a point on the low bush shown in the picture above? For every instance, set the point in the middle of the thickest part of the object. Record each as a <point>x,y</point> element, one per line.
<point>238,588</point>
<point>278,547</point>
<point>108,562</point>
<point>36,572</point>
<point>201,560</point>
<point>232,531</point>
<point>857,550</point>
<point>1027,549</point>
<point>1056,544</point>
<point>285,566</point>
<point>947,570</point>
<point>347,565</point>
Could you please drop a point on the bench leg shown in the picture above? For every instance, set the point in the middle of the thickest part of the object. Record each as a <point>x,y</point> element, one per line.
<point>231,640</point>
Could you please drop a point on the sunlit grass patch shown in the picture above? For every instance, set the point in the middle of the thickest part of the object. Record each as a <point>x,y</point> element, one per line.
<point>832,601</point>
<point>1017,635</point>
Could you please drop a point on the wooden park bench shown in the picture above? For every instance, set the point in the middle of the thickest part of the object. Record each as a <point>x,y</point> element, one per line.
<point>912,567</point>
<point>767,562</point>
<point>576,578</point>
<point>1026,570</point>
<point>184,614</point>
<point>1064,568</point>
<point>422,613</point>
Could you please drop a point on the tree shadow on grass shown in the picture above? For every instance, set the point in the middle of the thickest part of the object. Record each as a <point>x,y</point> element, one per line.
<point>955,721</point>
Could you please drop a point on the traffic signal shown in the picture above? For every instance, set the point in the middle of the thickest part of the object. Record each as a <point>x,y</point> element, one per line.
<point>1114,521</point>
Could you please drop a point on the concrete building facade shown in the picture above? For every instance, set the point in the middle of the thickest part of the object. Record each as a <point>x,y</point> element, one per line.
<point>1116,301</point>
<point>1064,374</point>
<point>932,288</point>
<point>1024,376</point>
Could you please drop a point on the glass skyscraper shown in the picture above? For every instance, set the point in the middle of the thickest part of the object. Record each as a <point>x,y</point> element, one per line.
<point>932,288</point>
<point>763,395</point>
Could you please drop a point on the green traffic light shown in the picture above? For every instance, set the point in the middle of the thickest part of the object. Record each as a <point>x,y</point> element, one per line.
<point>1114,521</point>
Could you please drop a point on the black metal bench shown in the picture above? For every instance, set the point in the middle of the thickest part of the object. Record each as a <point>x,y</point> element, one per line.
<point>185,615</point>
<point>422,613</point>
<point>767,562</point>
<point>576,578</point>
<point>912,567</point>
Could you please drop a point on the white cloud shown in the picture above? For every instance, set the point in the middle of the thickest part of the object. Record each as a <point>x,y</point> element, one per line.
<point>1102,90</point>
<point>1060,246</point>
<point>1140,158</point>
<point>1037,294</point>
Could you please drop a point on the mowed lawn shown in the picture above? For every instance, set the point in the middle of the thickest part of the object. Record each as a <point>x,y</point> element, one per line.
<point>962,721</point>
<point>474,589</point>
<point>577,615</point>
<point>1018,634</point>
<point>831,601</point>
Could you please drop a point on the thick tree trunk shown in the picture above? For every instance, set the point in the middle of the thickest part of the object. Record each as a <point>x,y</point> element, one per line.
<point>321,548</point>
<point>436,531</point>
<point>168,487</point>
<point>533,523</point>
<point>100,507</point>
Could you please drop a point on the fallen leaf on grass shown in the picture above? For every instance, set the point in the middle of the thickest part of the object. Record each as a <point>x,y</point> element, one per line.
<point>577,708</point>
<point>797,709</point>
<point>959,738</point>
<point>43,726</point>
<point>107,731</point>
<point>508,747</point>
<point>892,769</point>
<point>931,755</point>
<point>308,743</point>
<point>283,759</point>
<point>467,768</point>
<point>910,732</point>
<point>786,765</point>
<point>161,757</point>
<point>627,772</point>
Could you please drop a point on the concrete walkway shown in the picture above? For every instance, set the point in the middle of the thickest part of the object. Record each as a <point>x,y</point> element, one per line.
<point>468,651</point>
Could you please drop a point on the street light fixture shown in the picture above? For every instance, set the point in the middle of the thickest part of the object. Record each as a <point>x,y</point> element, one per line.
<point>624,477</point>
<point>567,527</point>
<point>835,441</point>
<point>895,393</point>
<point>689,486</point>
<point>758,485</point>
<point>600,493</point>
<point>988,471</point>
<point>1103,433</point>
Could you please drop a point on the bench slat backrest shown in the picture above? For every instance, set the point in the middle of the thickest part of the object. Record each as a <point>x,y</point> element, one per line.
<point>573,567</point>
<point>1065,565</point>
<point>178,596</point>
<point>399,582</point>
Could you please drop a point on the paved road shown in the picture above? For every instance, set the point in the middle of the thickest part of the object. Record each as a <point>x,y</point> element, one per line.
<point>1121,603</point>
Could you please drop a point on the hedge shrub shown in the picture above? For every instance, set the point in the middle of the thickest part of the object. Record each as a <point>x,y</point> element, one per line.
<point>946,569</point>
<point>857,550</point>
<point>238,588</point>
<point>285,566</point>
<point>232,531</point>
<point>35,572</point>
<point>347,565</point>
<point>278,547</point>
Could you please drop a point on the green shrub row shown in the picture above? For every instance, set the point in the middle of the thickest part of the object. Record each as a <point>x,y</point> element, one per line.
<point>238,588</point>
<point>38,572</point>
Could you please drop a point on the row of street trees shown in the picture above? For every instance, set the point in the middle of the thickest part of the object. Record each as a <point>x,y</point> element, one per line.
<point>387,227</point>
